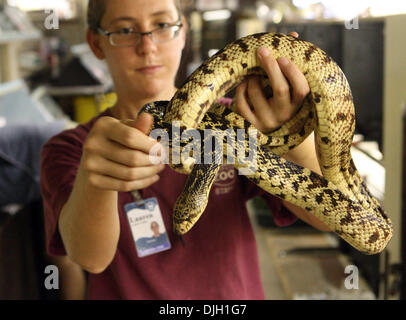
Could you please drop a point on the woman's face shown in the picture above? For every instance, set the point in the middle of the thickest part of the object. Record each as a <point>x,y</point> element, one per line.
<point>155,227</point>
<point>147,69</point>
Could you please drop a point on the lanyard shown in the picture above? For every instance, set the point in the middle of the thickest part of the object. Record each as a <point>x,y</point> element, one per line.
<point>136,195</point>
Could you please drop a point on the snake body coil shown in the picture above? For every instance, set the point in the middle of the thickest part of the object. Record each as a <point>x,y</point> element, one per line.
<point>339,198</point>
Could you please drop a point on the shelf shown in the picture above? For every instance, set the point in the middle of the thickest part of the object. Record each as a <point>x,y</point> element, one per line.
<point>10,37</point>
<point>78,90</point>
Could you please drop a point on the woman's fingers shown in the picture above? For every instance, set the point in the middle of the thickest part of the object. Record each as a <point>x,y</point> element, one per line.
<point>130,137</point>
<point>123,134</point>
<point>294,34</point>
<point>117,156</point>
<point>289,88</point>
<point>265,114</point>
<point>118,153</point>
<point>101,166</point>
<point>300,87</point>
<point>280,86</point>
<point>253,106</point>
<point>242,103</point>
<point>109,183</point>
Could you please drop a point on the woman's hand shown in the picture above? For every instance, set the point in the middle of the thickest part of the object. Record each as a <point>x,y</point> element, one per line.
<point>116,155</point>
<point>115,158</point>
<point>289,88</point>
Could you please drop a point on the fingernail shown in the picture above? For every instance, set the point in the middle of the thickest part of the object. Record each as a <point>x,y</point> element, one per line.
<point>283,61</point>
<point>263,52</point>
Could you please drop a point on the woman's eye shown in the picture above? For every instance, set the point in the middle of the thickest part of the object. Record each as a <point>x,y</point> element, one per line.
<point>125,30</point>
<point>163,24</point>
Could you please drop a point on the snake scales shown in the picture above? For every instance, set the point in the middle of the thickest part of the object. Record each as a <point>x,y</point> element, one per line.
<point>339,198</point>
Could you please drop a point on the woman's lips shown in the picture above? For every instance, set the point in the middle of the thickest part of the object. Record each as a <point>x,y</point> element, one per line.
<point>150,69</point>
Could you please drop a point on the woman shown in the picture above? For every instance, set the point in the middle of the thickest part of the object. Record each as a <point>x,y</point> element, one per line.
<point>88,173</point>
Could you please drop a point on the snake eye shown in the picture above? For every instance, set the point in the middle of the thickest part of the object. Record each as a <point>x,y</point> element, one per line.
<point>148,108</point>
<point>161,107</point>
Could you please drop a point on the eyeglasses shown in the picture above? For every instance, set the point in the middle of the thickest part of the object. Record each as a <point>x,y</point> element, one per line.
<point>127,37</point>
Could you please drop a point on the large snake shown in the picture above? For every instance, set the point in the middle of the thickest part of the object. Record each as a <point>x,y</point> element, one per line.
<point>339,197</point>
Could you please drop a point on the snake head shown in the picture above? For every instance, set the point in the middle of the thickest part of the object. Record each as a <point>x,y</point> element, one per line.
<point>157,109</point>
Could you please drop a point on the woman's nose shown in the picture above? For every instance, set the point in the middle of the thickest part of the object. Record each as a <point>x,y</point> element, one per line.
<point>145,44</point>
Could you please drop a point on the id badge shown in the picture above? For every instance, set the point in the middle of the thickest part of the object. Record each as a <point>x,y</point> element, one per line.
<point>147,227</point>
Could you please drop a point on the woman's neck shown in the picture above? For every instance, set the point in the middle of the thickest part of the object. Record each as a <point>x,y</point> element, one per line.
<point>128,108</point>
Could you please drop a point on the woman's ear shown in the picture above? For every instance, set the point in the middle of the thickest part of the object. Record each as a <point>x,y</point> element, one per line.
<point>93,40</point>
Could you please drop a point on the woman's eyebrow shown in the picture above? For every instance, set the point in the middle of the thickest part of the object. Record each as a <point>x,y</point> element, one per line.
<point>132,19</point>
<point>162,12</point>
<point>122,19</point>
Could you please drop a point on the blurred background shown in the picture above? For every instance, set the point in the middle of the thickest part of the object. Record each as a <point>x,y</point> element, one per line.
<point>50,81</point>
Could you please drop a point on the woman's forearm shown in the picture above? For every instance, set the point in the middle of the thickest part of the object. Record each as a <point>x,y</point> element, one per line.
<point>89,225</point>
<point>305,155</point>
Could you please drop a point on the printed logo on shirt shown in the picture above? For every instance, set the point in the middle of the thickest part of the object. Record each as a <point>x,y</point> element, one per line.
<point>225,180</point>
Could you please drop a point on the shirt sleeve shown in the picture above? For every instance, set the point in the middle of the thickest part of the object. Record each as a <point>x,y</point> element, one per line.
<point>60,158</point>
<point>281,215</point>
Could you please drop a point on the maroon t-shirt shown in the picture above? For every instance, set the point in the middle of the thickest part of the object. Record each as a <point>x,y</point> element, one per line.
<point>219,259</point>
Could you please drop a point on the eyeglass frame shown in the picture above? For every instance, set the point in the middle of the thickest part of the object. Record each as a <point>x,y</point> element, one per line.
<point>108,34</point>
